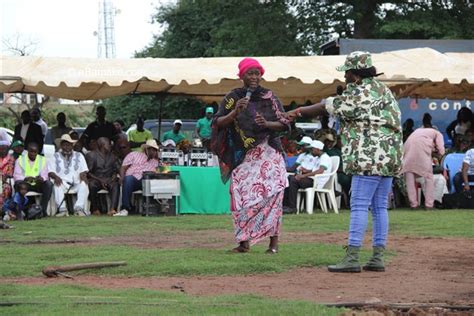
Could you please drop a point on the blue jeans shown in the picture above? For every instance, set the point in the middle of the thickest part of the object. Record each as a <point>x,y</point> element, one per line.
<point>130,184</point>
<point>369,191</point>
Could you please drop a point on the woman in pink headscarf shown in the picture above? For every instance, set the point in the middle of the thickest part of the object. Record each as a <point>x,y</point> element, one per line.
<point>245,138</point>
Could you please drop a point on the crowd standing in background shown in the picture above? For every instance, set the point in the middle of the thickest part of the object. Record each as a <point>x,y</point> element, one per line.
<point>60,129</point>
<point>203,128</point>
<point>139,136</point>
<point>29,132</point>
<point>175,134</point>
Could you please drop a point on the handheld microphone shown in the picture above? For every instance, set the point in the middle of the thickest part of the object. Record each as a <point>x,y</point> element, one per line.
<point>339,90</point>
<point>249,93</point>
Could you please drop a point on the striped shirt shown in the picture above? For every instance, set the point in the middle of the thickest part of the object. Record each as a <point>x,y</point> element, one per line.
<point>139,163</point>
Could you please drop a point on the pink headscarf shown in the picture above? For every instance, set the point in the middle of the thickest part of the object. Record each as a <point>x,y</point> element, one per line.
<point>247,63</point>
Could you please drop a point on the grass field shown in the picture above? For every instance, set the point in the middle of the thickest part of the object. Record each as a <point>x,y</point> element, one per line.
<point>31,246</point>
<point>80,300</point>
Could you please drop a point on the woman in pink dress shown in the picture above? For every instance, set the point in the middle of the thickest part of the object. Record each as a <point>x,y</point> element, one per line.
<point>418,162</point>
<point>245,138</point>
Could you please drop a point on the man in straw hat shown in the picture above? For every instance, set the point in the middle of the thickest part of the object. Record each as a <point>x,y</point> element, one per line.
<point>131,172</point>
<point>372,153</point>
<point>68,170</point>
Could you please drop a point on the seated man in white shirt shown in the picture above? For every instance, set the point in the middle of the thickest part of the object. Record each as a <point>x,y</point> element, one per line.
<point>304,142</point>
<point>68,170</point>
<point>318,163</point>
<point>461,179</point>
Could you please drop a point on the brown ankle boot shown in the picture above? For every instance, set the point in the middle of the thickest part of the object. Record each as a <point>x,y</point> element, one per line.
<point>273,246</point>
<point>244,246</point>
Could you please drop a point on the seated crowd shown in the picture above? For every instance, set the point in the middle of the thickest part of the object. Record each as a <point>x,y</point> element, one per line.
<point>106,160</point>
<point>313,158</point>
<point>103,160</point>
<point>424,156</point>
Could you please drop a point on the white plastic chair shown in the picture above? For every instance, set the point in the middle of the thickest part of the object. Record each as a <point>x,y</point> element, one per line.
<point>73,194</point>
<point>137,201</point>
<point>108,200</point>
<point>327,189</point>
<point>35,195</point>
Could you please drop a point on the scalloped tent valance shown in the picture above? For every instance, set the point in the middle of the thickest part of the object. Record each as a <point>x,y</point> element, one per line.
<point>419,72</point>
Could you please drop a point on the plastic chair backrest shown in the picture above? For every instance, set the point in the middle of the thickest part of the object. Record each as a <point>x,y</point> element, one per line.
<point>453,163</point>
<point>333,174</point>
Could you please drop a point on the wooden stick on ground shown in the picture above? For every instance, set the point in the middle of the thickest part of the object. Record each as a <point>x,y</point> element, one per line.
<point>54,271</point>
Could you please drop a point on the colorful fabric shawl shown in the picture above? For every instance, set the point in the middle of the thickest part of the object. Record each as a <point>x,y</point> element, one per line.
<point>232,143</point>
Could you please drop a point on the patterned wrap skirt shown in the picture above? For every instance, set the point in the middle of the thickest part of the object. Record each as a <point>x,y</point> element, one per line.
<point>257,188</point>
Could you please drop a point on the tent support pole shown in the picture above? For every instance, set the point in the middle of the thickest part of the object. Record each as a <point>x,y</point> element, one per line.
<point>160,116</point>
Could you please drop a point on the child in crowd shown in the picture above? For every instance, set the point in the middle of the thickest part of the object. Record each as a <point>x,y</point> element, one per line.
<point>14,207</point>
<point>17,147</point>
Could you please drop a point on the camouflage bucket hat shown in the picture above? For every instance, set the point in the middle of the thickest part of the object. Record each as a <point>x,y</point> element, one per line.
<point>356,60</point>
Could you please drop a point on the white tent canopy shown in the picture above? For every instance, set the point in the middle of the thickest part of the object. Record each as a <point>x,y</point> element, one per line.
<point>419,72</point>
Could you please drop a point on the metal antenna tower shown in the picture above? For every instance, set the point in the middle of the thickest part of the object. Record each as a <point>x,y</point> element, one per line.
<point>106,31</point>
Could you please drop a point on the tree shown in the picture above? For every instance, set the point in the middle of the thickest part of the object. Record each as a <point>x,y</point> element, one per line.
<point>211,28</point>
<point>320,21</point>
<point>129,107</point>
<point>19,45</point>
<point>436,20</point>
<point>208,28</point>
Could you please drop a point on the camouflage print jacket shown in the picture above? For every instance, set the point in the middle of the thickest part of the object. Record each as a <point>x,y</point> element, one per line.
<point>370,128</point>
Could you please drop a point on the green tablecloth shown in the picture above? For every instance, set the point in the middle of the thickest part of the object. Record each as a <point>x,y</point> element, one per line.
<point>202,191</point>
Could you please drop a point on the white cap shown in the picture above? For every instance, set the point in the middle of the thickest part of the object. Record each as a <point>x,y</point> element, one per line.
<point>178,122</point>
<point>168,142</point>
<point>317,144</point>
<point>305,140</point>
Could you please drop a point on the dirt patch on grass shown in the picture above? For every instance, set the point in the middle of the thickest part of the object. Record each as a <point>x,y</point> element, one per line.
<point>425,270</point>
<point>209,239</point>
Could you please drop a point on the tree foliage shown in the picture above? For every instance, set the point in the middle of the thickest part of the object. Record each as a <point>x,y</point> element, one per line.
<point>321,21</point>
<point>210,28</point>
<point>436,20</point>
<point>130,107</point>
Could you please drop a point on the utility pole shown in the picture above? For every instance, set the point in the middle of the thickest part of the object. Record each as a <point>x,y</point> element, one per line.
<point>106,29</point>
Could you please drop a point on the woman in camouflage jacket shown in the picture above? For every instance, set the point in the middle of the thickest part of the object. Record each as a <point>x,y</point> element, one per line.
<point>372,151</point>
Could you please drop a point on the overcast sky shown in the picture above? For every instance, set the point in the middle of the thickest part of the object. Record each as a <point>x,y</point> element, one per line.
<point>66,28</point>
